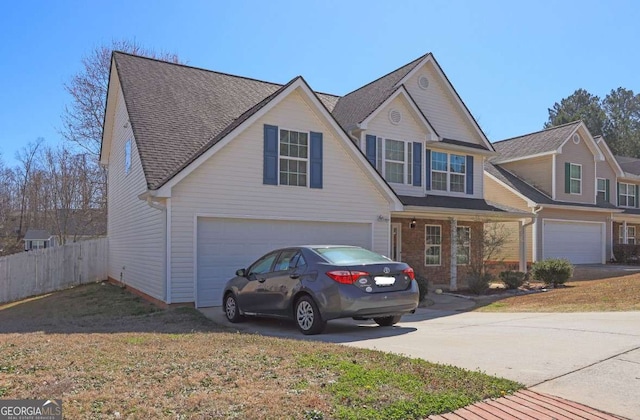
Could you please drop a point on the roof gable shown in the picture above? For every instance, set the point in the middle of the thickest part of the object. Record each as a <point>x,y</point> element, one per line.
<point>177,112</point>
<point>544,142</point>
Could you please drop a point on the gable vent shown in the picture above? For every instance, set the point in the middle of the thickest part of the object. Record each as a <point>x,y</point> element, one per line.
<point>576,138</point>
<point>395,116</point>
<point>423,82</point>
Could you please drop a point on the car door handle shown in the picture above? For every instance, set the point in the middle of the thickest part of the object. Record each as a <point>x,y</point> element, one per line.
<point>262,280</point>
<point>294,276</point>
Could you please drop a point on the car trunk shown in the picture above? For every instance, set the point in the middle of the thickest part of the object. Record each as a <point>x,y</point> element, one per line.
<point>381,278</point>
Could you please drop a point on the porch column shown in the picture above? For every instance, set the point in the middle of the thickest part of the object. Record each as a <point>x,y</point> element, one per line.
<point>453,283</point>
<point>523,246</point>
<point>625,240</point>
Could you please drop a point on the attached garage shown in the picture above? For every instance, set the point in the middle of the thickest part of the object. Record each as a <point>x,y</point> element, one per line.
<point>579,242</point>
<point>225,245</point>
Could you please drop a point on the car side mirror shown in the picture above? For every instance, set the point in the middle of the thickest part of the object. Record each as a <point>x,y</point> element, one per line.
<point>241,272</point>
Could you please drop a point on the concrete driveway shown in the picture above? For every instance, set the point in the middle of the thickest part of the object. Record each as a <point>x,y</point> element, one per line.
<point>591,358</point>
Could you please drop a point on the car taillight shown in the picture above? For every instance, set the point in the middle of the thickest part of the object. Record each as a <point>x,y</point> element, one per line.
<point>410,273</point>
<point>345,276</point>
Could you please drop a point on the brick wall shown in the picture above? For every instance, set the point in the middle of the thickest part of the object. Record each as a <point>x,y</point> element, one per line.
<point>413,250</point>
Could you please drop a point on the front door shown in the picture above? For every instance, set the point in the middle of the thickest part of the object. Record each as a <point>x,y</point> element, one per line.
<point>396,242</point>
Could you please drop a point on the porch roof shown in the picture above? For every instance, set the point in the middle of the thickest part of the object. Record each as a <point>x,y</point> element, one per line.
<point>460,205</point>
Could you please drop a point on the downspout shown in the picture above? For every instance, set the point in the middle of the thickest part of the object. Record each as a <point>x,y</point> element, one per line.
<point>534,222</point>
<point>523,239</point>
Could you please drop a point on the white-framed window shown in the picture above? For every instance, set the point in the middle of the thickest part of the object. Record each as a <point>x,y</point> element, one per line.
<point>448,172</point>
<point>433,244</point>
<point>463,256</point>
<point>294,157</point>
<point>575,178</point>
<point>627,196</point>
<point>601,189</point>
<point>127,157</point>
<point>394,160</point>
<point>631,235</point>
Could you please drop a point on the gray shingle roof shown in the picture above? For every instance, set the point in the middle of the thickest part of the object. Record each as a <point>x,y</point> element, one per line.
<point>532,193</point>
<point>354,107</point>
<point>178,112</point>
<point>534,143</point>
<point>451,203</point>
<point>629,164</point>
<point>36,234</point>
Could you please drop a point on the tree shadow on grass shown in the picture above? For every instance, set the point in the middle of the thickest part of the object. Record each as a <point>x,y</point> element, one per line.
<point>98,308</point>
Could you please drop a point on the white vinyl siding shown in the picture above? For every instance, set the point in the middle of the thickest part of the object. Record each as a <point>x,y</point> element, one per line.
<point>136,231</point>
<point>441,108</point>
<point>537,172</point>
<point>583,184</point>
<point>230,185</point>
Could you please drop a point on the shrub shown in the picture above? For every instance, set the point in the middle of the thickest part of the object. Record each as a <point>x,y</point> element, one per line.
<point>512,279</point>
<point>553,271</point>
<point>423,285</point>
<point>479,282</point>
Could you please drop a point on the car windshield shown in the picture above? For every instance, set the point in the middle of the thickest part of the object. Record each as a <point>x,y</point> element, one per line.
<point>350,256</point>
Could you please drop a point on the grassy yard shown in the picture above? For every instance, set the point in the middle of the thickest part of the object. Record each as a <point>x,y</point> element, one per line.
<point>613,294</point>
<point>107,354</point>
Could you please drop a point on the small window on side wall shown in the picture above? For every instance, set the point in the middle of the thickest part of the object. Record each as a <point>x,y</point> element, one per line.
<point>127,157</point>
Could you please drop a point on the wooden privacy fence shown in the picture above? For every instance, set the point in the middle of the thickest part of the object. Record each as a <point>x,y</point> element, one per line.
<point>47,270</point>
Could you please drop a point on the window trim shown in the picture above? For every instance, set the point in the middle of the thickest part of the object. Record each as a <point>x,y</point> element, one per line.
<point>627,195</point>
<point>381,160</point>
<point>598,190</point>
<point>307,159</point>
<point>427,246</point>
<point>621,235</point>
<point>466,245</point>
<point>571,179</point>
<point>449,173</point>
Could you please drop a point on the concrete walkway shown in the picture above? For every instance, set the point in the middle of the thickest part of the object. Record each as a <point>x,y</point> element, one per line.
<point>590,358</point>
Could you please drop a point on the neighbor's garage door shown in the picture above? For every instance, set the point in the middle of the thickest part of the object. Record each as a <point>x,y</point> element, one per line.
<point>225,245</point>
<point>579,242</point>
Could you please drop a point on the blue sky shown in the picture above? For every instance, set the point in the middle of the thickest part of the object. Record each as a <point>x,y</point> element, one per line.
<point>508,60</point>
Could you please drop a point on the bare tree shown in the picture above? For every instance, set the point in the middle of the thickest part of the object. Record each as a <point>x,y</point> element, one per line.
<point>27,157</point>
<point>83,119</point>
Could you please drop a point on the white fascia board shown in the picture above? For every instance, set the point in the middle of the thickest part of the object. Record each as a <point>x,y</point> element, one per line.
<point>604,147</point>
<point>537,155</point>
<point>458,148</point>
<point>113,91</point>
<point>419,211</point>
<point>452,92</point>
<point>530,203</point>
<point>433,135</point>
<point>580,208</point>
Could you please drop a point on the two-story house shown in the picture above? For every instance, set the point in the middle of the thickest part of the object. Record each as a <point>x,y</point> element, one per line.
<point>208,171</point>
<point>626,225</point>
<point>570,181</point>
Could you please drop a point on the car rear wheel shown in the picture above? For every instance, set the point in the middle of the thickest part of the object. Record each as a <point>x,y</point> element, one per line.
<point>231,308</point>
<point>308,316</point>
<point>387,321</point>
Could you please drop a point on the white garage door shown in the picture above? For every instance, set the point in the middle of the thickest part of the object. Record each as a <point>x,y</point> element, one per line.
<point>579,242</point>
<point>225,245</point>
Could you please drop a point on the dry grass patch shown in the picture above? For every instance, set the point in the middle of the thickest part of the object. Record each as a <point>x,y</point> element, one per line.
<point>107,354</point>
<point>614,294</point>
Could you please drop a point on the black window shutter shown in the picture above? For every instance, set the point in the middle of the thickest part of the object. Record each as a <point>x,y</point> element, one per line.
<point>371,149</point>
<point>315,178</point>
<point>417,164</point>
<point>427,163</point>
<point>270,170</point>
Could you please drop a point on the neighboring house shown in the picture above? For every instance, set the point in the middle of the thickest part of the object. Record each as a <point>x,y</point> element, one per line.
<point>208,171</point>
<point>38,239</point>
<point>568,180</point>
<point>626,225</point>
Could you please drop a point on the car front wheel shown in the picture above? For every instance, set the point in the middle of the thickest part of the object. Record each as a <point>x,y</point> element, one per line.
<point>387,321</point>
<point>308,316</point>
<point>231,308</point>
